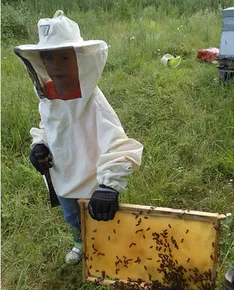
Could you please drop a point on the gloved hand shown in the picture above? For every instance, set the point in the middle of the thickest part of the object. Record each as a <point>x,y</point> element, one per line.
<point>103,203</point>
<point>40,151</point>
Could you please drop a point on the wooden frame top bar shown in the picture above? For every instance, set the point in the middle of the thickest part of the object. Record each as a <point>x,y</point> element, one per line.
<point>163,211</point>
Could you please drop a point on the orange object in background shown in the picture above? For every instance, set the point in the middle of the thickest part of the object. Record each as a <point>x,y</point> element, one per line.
<point>209,54</point>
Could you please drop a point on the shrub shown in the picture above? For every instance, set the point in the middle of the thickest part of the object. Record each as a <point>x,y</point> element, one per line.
<point>13,24</point>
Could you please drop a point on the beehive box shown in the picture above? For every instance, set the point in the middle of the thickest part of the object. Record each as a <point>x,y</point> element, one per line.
<point>226,52</point>
<point>227,34</point>
<point>146,246</point>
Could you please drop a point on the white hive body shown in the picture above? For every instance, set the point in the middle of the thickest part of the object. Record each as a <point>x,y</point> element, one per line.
<point>226,54</point>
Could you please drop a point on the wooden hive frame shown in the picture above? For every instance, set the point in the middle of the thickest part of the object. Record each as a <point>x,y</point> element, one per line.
<point>141,239</point>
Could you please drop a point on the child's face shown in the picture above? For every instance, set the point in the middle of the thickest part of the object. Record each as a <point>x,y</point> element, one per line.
<point>61,66</point>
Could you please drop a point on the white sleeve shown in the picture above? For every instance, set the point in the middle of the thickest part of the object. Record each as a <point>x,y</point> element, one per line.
<point>120,155</point>
<point>38,135</point>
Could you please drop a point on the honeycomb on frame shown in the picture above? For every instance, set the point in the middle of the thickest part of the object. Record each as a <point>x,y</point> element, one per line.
<point>151,247</point>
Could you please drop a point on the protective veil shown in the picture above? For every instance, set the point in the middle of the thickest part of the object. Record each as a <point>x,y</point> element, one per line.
<point>84,135</point>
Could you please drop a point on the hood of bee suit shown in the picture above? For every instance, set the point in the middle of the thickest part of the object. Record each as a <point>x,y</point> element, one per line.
<point>61,32</point>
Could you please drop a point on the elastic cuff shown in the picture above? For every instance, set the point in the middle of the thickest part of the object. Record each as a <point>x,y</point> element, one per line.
<point>103,187</point>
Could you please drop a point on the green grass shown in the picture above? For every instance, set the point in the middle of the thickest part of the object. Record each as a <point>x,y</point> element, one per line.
<point>183,116</point>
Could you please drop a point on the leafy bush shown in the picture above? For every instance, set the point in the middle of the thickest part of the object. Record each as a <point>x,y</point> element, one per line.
<point>13,24</point>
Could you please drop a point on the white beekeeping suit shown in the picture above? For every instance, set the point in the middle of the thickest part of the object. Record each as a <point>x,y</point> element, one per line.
<point>84,135</point>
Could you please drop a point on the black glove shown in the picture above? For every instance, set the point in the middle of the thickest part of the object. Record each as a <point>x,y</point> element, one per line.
<point>40,151</point>
<point>103,203</point>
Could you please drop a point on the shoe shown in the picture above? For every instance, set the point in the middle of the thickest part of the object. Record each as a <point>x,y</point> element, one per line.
<point>74,256</point>
<point>228,283</point>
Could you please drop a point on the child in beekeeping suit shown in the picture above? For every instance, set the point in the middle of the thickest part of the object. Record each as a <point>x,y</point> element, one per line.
<point>80,134</point>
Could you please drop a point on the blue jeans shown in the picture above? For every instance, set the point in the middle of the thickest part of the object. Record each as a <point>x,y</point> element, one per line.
<point>71,214</point>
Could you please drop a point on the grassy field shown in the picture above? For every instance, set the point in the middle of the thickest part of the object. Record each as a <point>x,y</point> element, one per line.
<point>183,116</point>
